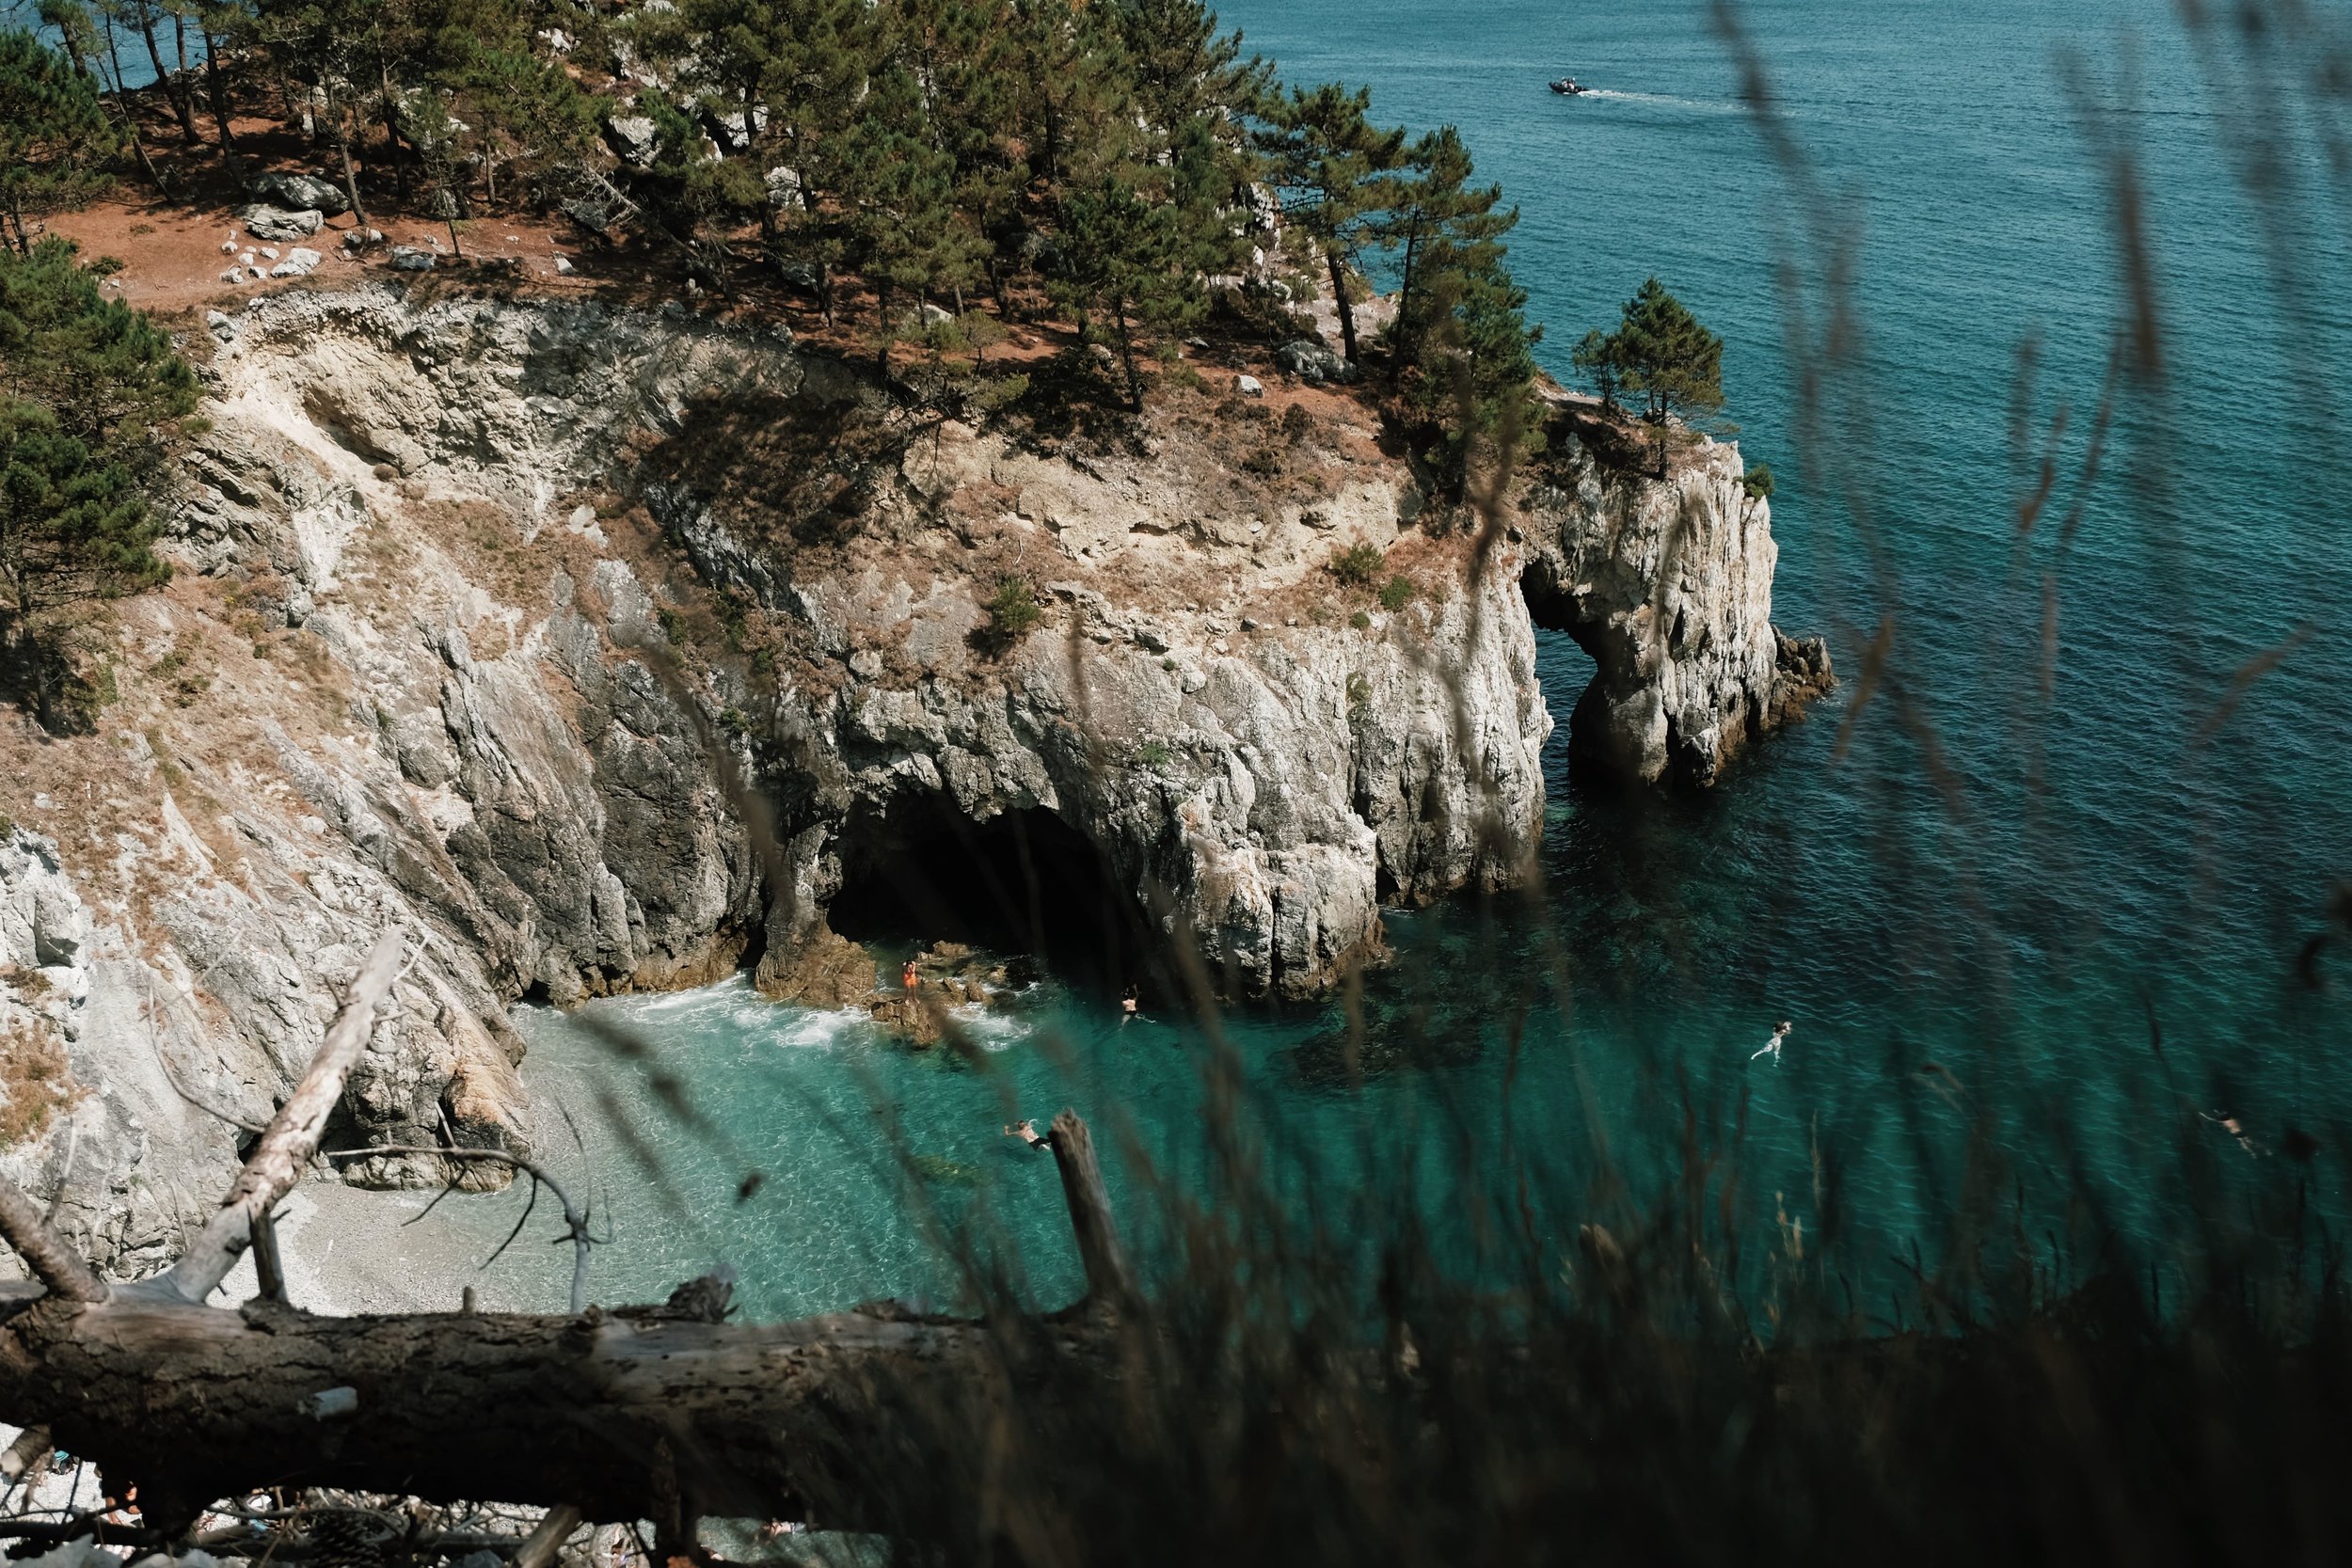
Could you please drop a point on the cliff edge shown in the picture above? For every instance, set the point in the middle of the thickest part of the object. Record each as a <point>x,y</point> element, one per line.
<point>609,648</point>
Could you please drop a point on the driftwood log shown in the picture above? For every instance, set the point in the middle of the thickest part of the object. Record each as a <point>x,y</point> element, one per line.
<point>628,1414</point>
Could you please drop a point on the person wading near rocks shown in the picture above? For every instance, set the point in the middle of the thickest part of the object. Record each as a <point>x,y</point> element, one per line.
<point>908,978</point>
<point>1771,1047</point>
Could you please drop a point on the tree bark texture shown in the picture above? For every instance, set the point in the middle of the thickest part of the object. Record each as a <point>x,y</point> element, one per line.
<point>615,1415</point>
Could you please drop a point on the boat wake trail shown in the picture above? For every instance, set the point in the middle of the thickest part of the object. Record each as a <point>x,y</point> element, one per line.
<point>1662,100</point>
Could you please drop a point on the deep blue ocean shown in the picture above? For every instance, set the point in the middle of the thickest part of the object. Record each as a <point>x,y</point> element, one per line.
<point>2059,918</point>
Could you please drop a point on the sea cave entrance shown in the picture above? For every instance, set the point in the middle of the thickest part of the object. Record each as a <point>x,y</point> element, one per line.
<point>1020,883</point>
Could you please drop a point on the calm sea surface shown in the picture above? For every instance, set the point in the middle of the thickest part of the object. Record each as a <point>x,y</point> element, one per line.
<point>1986,914</point>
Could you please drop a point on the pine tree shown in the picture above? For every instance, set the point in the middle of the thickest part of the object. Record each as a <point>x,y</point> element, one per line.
<point>530,119</point>
<point>1121,259</point>
<point>106,371</point>
<point>1077,114</point>
<point>1438,226</point>
<point>88,388</point>
<point>1661,352</point>
<point>1327,154</point>
<point>72,525</point>
<point>55,137</point>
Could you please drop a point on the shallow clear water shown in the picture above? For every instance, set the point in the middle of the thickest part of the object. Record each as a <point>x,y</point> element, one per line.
<point>2095,863</point>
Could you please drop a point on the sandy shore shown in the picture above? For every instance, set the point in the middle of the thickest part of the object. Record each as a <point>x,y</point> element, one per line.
<point>350,1251</point>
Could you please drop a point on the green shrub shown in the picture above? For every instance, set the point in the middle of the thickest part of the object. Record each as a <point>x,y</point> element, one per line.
<point>734,620</point>
<point>1152,753</point>
<point>1010,614</point>
<point>1357,565</point>
<point>1758,482</point>
<point>1397,594</point>
<point>673,623</point>
<point>1361,621</point>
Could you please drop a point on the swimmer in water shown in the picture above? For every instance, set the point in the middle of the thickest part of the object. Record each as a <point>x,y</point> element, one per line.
<point>2234,1127</point>
<point>1771,1047</point>
<point>1027,1132</point>
<point>1128,1007</point>
<point>908,978</point>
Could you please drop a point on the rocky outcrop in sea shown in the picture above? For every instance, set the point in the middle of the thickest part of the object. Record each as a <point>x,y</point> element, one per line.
<point>608,648</point>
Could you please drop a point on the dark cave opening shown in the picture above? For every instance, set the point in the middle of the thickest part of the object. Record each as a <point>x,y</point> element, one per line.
<point>1023,882</point>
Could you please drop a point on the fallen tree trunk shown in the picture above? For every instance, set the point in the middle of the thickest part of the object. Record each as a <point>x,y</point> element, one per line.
<point>662,1413</point>
<point>627,1418</point>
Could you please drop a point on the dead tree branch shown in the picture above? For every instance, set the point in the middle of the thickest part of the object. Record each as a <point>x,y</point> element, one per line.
<point>574,1217</point>
<point>1089,1204</point>
<point>276,1162</point>
<point>659,1412</point>
<point>51,1257</point>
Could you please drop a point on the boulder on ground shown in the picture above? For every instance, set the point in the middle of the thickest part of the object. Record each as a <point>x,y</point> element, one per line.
<point>783,187</point>
<point>1249,385</point>
<point>300,191</point>
<point>729,130</point>
<point>407,258</point>
<point>299,260</point>
<point>1313,362</point>
<point>277,222</point>
<point>632,139</point>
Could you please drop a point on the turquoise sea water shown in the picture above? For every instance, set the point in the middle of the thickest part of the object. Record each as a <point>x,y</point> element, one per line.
<point>1977,915</point>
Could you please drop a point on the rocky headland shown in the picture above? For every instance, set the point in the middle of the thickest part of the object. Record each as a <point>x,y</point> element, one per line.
<point>612,649</point>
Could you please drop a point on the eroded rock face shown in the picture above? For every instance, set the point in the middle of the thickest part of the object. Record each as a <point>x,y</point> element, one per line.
<point>1668,585</point>
<point>447,563</point>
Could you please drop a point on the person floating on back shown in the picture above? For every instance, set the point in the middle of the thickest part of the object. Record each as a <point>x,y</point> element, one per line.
<point>1771,1047</point>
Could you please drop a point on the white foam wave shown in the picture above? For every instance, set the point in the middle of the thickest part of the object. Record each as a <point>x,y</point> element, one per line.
<point>1663,100</point>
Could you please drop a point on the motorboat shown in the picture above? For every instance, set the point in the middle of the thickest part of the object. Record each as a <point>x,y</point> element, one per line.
<point>1568,86</point>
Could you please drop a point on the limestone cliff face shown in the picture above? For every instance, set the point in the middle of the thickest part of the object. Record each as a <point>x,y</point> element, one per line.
<point>602,646</point>
<point>1668,585</point>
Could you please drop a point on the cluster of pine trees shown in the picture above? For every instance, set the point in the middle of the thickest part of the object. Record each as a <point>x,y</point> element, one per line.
<point>92,394</point>
<point>1113,160</point>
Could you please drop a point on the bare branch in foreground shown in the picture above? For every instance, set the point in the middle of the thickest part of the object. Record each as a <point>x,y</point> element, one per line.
<point>1107,1279</point>
<point>277,1160</point>
<point>51,1257</point>
<point>191,1402</point>
<point>539,1547</point>
<point>574,1217</point>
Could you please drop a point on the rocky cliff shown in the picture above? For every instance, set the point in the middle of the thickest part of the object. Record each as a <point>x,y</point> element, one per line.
<point>603,647</point>
<point>1668,585</point>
